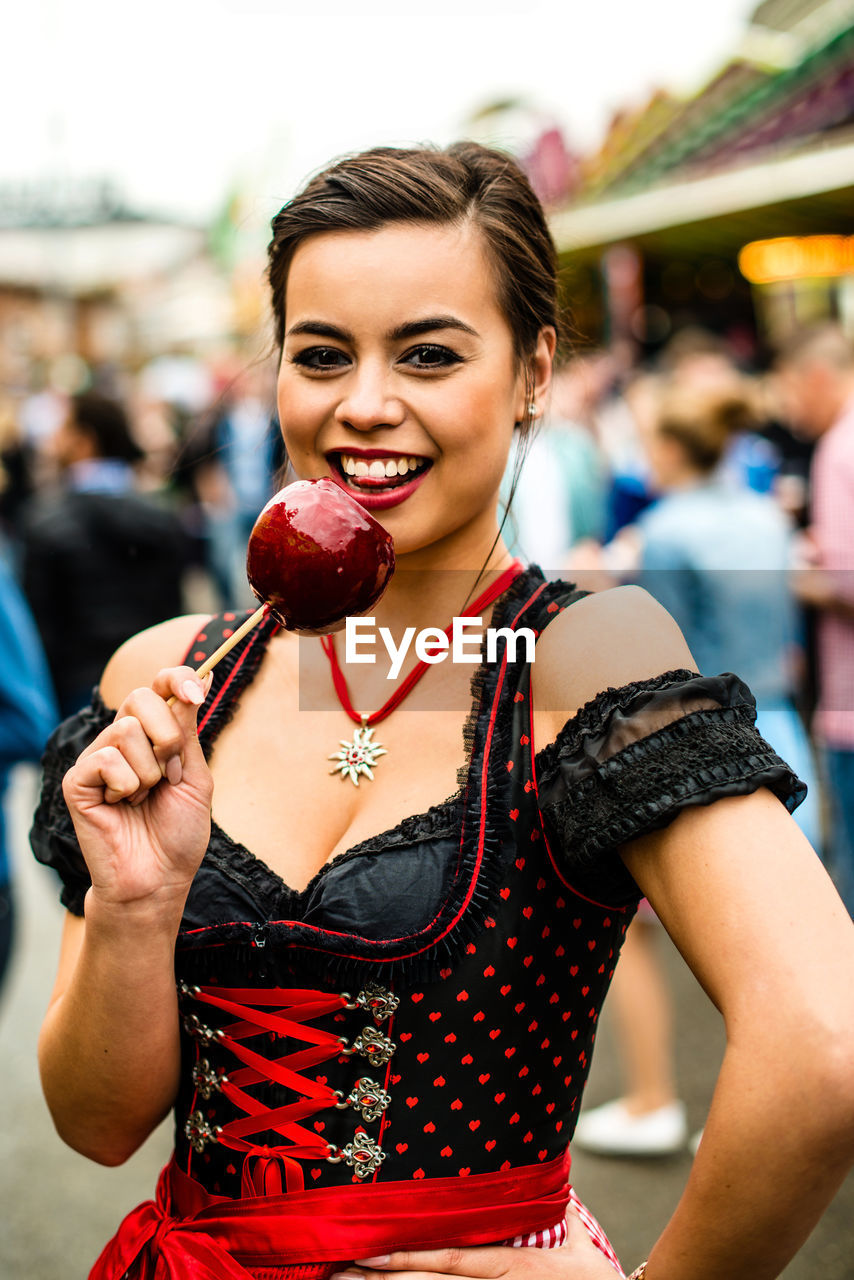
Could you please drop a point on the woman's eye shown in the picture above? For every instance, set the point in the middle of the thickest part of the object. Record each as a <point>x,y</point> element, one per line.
<point>320,358</point>
<point>430,356</point>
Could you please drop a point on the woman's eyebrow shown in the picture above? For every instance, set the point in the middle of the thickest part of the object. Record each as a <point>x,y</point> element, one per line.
<point>411,329</point>
<point>320,329</point>
<point>415,328</point>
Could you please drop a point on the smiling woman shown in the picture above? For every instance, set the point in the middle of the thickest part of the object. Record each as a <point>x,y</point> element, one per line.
<point>387,994</point>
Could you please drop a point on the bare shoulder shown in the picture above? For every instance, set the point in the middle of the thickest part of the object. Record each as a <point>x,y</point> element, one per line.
<point>605,640</point>
<point>139,659</point>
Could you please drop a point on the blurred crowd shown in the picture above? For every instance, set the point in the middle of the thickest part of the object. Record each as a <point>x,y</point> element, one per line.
<point>726,491</point>
<point>132,500</point>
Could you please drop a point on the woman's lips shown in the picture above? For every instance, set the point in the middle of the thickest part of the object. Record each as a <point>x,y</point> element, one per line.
<point>376,493</point>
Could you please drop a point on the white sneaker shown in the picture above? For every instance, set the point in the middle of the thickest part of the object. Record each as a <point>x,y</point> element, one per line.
<point>610,1130</point>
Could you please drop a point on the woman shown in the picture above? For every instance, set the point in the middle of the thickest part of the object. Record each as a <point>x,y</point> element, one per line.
<point>464,950</point>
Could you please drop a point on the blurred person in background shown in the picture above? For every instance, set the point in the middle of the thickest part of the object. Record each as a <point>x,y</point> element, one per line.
<point>716,554</point>
<point>794,448</point>
<point>617,417</point>
<point>101,561</point>
<point>233,461</point>
<point>694,357</point>
<point>817,378</point>
<point>27,715</point>
<point>16,471</point>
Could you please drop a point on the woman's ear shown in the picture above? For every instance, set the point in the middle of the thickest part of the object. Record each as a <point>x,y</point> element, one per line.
<point>541,368</point>
<point>535,377</point>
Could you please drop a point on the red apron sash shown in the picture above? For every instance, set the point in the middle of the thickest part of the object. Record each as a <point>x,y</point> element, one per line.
<point>187,1234</point>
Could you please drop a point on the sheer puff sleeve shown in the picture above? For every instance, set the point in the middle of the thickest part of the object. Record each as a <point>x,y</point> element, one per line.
<point>52,836</point>
<point>632,758</point>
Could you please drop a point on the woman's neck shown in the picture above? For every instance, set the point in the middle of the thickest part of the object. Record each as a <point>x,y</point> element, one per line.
<point>420,595</point>
<point>430,590</point>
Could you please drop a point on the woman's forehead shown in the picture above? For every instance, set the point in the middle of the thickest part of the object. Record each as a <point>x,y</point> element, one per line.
<point>395,270</point>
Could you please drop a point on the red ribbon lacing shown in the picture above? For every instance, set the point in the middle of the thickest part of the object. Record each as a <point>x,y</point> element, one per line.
<point>293,1009</point>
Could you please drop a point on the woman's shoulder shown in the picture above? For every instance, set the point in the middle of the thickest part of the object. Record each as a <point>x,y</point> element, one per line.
<point>139,659</point>
<point>605,640</point>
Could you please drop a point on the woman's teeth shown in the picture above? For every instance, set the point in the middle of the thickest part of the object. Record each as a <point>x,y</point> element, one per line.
<point>379,468</point>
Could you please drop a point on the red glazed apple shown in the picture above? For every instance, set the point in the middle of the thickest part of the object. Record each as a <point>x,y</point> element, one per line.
<point>317,557</point>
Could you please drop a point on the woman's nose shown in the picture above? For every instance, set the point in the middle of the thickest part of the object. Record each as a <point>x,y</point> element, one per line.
<point>368,402</point>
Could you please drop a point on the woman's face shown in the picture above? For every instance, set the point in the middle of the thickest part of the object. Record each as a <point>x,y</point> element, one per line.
<point>399,380</point>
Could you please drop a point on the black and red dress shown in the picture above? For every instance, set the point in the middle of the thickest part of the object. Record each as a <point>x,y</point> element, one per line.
<point>425,1010</point>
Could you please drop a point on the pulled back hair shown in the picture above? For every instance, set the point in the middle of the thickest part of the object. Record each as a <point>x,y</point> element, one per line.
<point>466,183</point>
<point>703,420</point>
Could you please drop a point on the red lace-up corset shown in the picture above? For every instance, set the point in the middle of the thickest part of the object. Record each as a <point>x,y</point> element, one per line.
<point>284,1013</point>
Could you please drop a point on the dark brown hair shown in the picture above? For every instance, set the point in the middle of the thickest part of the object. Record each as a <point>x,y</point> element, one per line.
<point>466,182</point>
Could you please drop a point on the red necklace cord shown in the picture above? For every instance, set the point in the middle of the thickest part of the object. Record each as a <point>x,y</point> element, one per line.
<point>482,602</point>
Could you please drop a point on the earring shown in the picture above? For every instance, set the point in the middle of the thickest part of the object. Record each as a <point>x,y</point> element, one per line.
<point>532,409</point>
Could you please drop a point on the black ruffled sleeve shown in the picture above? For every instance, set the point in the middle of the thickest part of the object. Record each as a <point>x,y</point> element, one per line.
<point>631,759</point>
<point>52,835</point>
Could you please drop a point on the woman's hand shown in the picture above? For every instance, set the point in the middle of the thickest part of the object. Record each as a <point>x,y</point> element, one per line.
<point>140,796</point>
<point>578,1259</point>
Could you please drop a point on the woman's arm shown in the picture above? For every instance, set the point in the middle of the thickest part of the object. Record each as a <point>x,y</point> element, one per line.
<point>139,797</point>
<point>750,907</point>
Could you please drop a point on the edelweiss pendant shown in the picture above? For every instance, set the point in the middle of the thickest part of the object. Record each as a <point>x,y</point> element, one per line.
<point>359,756</point>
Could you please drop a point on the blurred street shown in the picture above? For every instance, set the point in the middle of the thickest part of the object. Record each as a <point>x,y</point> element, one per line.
<point>59,1209</point>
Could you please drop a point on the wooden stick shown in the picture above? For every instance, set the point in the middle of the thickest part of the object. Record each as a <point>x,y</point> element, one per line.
<point>227,645</point>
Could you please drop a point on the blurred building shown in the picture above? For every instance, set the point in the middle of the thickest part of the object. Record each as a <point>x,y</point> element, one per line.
<point>81,274</point>
<point>655,234</point>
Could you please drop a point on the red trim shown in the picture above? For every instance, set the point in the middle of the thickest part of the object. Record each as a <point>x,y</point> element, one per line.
<point>387,1086</point>
<point>484,777</point>
<point>227,682</point>
<point>192,1235</point>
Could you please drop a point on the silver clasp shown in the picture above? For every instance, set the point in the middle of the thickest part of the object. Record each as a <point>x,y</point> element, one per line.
<point>371,1044</point>
<point>199,1133</point>
<point>367,1095</point>
<point>375,1000</point>
<point>362,1155</point>
<point>196,1028</point>
<point>207,1079</point>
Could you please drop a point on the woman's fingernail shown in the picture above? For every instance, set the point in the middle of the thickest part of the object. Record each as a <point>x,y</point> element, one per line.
<point>193,692</point>
<point>381,1260</point>
<point>174,770</point>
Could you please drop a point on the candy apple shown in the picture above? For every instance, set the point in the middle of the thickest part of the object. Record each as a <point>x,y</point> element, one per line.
<point>316,557</point>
